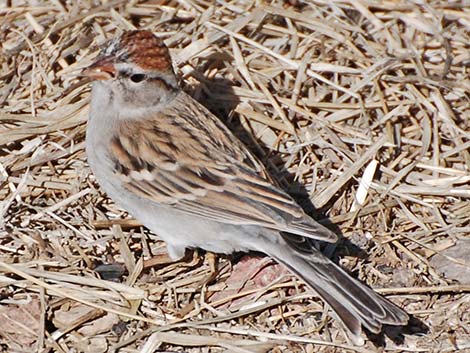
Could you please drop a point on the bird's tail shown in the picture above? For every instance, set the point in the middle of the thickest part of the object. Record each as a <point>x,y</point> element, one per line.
<point>354,303</point>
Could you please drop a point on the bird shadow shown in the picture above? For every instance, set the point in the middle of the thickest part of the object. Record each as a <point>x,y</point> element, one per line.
<point>397,333</point>
<point>218,95</point>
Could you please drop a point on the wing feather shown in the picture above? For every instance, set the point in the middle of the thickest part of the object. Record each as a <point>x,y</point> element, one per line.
<point>203,170</point>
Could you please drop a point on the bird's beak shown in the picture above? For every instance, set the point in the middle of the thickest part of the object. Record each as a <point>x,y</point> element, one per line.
<point>101,69</point>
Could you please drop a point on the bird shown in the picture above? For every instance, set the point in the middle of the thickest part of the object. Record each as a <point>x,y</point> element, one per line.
<point>178,169</point>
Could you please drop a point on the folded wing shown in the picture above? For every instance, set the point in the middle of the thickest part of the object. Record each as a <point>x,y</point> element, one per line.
<point>205,171</point>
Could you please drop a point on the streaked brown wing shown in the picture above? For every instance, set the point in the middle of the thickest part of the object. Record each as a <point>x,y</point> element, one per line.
<point>203,170</point>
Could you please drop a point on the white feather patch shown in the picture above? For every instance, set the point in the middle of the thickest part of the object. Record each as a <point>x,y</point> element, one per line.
<point>140,175</point>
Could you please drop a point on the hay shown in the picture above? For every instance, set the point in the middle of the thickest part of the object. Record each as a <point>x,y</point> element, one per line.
<point>360,109</point>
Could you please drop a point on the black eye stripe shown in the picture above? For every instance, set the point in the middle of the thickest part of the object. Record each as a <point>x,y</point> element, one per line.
<point>133,76</point>
<point>140,77</point>
<point>163,82</point>
<point>137,77</point>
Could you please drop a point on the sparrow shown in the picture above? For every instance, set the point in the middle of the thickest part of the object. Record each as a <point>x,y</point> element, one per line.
<point>175,167</point>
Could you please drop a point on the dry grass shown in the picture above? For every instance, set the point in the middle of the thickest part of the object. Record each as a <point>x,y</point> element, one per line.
<point>361,108</point>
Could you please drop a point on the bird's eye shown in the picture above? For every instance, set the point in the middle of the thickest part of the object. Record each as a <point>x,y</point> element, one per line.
<point>137,78</point>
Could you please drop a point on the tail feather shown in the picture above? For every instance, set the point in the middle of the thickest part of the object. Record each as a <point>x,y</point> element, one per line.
<point>353,302</point>
<point>309,228</point>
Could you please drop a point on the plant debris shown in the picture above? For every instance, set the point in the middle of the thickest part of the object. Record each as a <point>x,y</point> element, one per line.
<point>359,109</point>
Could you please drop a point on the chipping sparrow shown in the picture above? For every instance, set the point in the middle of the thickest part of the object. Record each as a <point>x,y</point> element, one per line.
<point>177,168</point>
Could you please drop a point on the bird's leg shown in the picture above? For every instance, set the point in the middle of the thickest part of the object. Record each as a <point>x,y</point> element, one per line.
<point>166,259</point>
<point>212,261</point>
